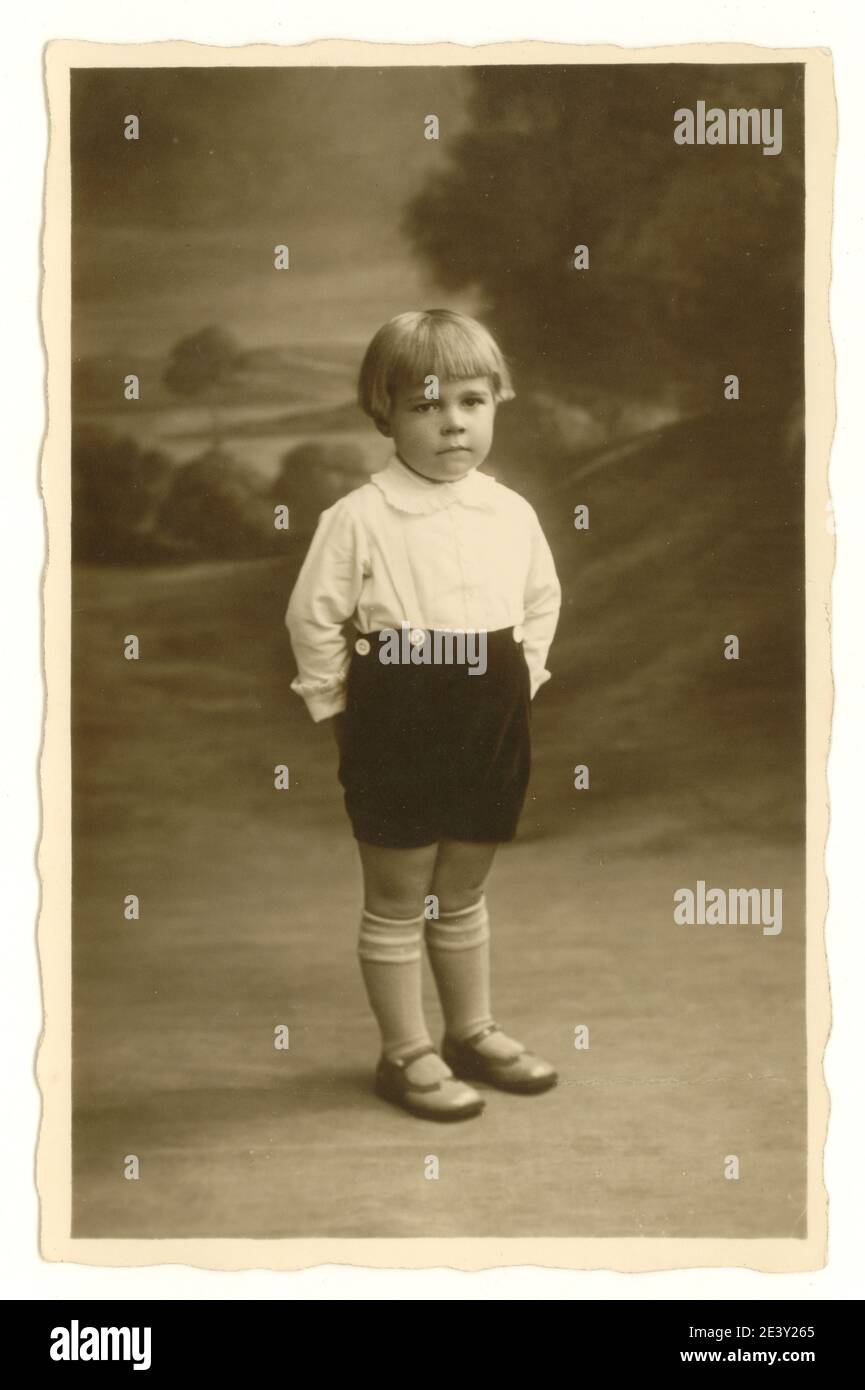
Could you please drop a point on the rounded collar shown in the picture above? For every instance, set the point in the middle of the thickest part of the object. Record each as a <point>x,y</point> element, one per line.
<point>408,492</point>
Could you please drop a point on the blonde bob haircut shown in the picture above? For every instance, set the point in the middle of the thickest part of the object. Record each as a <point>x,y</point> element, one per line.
<point>427,342</point>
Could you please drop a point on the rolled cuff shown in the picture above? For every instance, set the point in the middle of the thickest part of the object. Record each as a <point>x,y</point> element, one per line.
<point>321,703</point>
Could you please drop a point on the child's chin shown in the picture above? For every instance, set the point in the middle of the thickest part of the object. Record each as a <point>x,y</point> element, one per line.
<point>455,464</point>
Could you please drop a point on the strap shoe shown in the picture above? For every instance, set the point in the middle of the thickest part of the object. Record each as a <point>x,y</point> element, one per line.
<point>525,1073</point>
<point>446,1098</point>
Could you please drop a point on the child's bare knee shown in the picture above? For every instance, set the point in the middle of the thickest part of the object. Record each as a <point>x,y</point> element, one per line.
<point>455,898</point>
<point>396,907</point>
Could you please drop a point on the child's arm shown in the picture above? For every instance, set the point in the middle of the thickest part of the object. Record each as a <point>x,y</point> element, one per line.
<point>324,597</point>
<point>541,603</point>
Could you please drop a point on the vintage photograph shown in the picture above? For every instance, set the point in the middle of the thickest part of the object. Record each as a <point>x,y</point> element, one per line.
<point>440,450</point>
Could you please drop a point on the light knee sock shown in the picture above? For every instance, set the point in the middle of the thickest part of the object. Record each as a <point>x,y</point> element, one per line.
<point>458,944</point>
<point>391,963</point>
<point>459,952</point>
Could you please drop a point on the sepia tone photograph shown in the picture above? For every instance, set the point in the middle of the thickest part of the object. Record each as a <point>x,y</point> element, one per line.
<point>439,838</point>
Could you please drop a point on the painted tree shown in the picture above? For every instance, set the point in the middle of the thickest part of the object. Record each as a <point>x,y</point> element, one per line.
<point>118,488</point>
<point>695,253</point>
<point>201,366</point>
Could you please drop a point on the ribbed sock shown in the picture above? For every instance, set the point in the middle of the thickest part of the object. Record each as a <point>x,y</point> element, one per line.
<point>458,944</point>
<point>391,963</point>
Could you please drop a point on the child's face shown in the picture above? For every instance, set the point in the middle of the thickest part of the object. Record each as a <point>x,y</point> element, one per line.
<point>446,438</point>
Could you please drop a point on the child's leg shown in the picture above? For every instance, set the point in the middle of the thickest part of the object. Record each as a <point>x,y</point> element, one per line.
<point>458,943</point>
<point>389,945</point>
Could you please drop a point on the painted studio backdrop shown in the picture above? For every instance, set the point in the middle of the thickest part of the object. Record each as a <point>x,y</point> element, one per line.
<point>647,290</point>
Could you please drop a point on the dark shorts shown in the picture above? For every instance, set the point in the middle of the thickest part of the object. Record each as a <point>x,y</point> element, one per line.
<point>432,752</point>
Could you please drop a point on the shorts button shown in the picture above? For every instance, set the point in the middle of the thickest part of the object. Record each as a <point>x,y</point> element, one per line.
<point>417,636</point>
<point>518,634</point>
<point>361,646</point>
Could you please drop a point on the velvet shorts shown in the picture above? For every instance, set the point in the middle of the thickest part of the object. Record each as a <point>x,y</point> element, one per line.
<point>436,750</point>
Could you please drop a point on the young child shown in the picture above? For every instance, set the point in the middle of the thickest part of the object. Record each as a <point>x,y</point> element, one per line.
<point>434,755</point>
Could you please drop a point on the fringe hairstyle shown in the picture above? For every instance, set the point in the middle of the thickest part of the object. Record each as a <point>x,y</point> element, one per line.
<point>428,342</point>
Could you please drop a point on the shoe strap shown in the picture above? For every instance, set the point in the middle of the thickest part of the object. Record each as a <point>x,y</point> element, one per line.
<point>413,1056</point>
<point>476,1037</point>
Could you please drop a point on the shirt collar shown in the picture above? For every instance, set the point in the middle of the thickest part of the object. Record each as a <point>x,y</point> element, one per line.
<point>410,493</point>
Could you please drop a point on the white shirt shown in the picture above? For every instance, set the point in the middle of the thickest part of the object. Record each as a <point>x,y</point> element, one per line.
<point>467,555</point>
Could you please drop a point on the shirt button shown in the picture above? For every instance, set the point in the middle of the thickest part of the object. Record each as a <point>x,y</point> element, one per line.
<point>361,646</point>
<point>417,637</point>
<point>518,634</point>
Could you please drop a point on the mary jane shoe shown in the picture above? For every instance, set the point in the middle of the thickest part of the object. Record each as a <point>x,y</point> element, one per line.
<point>444,1099</point>
<point>525,1073</point>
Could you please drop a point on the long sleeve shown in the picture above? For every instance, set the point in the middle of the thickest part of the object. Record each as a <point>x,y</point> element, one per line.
<point>542,603</point>
<point>323,599</point>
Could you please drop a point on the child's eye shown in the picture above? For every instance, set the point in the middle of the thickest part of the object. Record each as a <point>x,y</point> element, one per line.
<point>424,406</point>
